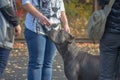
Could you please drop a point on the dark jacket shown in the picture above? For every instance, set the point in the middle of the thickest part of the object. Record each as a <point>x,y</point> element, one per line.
<point>8,12</point>
<point>113,20</point>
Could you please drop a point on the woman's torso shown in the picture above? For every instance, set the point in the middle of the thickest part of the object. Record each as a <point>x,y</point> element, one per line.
<point>50,8</point>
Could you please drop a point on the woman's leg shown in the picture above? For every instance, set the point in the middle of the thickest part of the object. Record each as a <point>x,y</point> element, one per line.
<point>36,47</point>
<point>50,52</point>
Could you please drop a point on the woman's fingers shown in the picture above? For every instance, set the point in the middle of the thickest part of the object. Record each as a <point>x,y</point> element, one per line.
<point>47,22</point>
<point>44,21</point>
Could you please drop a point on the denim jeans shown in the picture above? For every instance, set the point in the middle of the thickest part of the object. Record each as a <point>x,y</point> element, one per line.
<point>4,55</point>
<point>109,56</point>
<point>41,55</point>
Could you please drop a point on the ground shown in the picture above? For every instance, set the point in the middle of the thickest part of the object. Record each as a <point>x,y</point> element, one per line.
<point>17,64</point>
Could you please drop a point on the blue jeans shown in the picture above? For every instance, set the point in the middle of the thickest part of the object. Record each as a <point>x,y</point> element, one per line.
<point>4,55</point>
<point>41,55</point>
<point>110,56</point>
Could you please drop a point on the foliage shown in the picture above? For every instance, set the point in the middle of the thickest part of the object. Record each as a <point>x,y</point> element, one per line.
<point>20,12</point>
<point>77,12</point>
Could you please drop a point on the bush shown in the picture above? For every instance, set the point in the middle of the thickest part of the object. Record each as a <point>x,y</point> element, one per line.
<point>78,14</point>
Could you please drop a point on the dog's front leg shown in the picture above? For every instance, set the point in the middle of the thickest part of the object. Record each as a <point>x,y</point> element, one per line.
<point>72,77</point>
<point>71,73</point>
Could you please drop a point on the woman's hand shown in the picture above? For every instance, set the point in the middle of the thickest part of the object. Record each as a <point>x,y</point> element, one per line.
<point>17,30</point>
<point>44,21</point>
<point>37,14</point>
<point>67,28</point>
<point>65,22</point>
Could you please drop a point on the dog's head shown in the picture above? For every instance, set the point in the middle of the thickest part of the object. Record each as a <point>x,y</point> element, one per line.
<point>60,36</point>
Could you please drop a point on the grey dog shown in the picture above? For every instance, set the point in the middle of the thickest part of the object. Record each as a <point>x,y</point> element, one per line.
<point>78,64</point>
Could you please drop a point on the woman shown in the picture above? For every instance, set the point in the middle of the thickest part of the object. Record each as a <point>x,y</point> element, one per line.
<point>110,43</point>
<point>42,16</point>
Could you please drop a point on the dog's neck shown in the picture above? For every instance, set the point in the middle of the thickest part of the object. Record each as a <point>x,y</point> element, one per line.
<point>67,50</point>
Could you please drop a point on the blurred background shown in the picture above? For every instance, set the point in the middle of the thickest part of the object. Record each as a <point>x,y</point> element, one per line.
<point>78,12</point>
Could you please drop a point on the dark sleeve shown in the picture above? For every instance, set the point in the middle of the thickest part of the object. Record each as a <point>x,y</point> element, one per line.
<point>102,3</point>
<point>9,14</point>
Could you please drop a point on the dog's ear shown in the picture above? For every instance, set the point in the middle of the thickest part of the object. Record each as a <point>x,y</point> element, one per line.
<point>71,39</point>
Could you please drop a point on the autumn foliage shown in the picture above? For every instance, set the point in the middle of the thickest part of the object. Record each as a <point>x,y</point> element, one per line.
<point>77,14</point>
<point>20,11</point>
